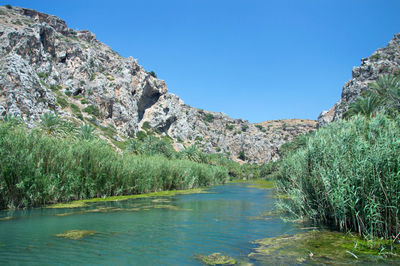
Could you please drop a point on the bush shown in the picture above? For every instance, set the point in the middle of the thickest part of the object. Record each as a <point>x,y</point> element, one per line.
<point>153,74</point>
<point>229,127</point>
<point>347,176</point>
<point>208,118</point>
<point>260,127</point>
<point>93,110</point>
<point>242,156</point>
<point>62,102</point>
<point>43,75</point>
<point>75,109</point>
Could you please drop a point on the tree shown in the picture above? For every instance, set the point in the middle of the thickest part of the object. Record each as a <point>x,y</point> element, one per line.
<point>86,132</point>
<point>366,106</point>
<point>387,87</point>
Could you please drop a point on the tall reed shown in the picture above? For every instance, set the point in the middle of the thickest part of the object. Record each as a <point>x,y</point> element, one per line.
<point>347,176</point>
<point>37,168</point>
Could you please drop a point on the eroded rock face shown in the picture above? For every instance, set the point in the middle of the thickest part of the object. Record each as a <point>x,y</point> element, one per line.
<point>385,60</point>
<point>44,64</point>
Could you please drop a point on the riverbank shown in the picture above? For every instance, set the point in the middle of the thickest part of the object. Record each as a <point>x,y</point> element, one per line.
<point>59,162</point>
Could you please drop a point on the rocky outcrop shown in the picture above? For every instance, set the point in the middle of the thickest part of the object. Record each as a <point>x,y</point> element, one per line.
<point>385,60</point>
<point>47,67</point>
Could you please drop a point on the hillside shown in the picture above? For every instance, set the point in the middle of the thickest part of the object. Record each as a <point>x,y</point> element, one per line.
<point>47,67</point>
<point>385,60</point>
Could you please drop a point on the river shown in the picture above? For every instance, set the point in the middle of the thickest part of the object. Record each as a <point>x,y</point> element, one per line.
<point>150,231</point>
<point>168,231</point>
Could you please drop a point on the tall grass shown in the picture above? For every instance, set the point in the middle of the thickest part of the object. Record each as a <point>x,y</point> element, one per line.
<point>347,176</point>
<point>37,168</point>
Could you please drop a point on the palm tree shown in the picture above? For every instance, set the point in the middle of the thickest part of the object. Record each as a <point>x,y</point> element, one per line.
<point>191,153</point>
<point>50,123</point>
<point>366,106</point>
<point>86,132</point>
<point>135,147</point>
<point>387,87</point>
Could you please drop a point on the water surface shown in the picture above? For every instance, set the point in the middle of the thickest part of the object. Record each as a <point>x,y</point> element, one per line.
<point>151,231</point>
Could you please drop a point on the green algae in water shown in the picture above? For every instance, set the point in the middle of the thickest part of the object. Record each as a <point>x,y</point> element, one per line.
<point>76,234</point>
<point>216,259</point>
<point>83,203</point>
<point>256,183</point>
<point>322,246</point>
<point>74,204</point>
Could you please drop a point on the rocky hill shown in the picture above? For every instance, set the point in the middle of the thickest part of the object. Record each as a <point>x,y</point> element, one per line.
<point>385,60</point>
<point>47,67</point>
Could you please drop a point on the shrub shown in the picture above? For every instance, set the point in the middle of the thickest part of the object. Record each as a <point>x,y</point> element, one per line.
<point>153,74</point>
<point>208,118</point>
<point>54,87</point>
<point>74,108</point>
<point>146,126</point>
<point>242,156</point>
<point>8,6</point>
<point>229,127</point>
<point>347,176</point>
<point>62,102</point>
<point>260,127</point>
<point>141,135</point>
<point>43,75</point>
<point>93,110</point>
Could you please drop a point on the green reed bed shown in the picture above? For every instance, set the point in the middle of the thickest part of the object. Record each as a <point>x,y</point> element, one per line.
<point>37,169</point>
<point>347,176</point>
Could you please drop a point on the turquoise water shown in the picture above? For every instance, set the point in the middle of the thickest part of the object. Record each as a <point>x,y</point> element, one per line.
<point>151,231</point>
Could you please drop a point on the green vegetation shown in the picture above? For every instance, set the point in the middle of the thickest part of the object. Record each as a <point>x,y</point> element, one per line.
<point>8,6</point>
<point>146,126</point>
<point>242,156</point>
<point>323,247</point>
<point>62,102</point>
<point>208,118</point>
<point>229,127</point>
<point>68,92</point>
<point>375,56</point>
<point>152,73</point>
<point>43,75</point>
<point>258,182</point>
<point>58,162</point>
<point>93,110</point>
<point>76,234</point>
<point>83,203</point>
<point>74,108</point>
<point>260,127</point>
<point>216,259</point>
<point>347,176</point>
<point>384,94</point>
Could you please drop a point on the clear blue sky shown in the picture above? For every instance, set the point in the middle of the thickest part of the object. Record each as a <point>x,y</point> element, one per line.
<point>256,60</point>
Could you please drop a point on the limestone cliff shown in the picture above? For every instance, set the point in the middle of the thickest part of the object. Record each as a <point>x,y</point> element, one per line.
<point>385,60</point>
<point>47,67</point>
